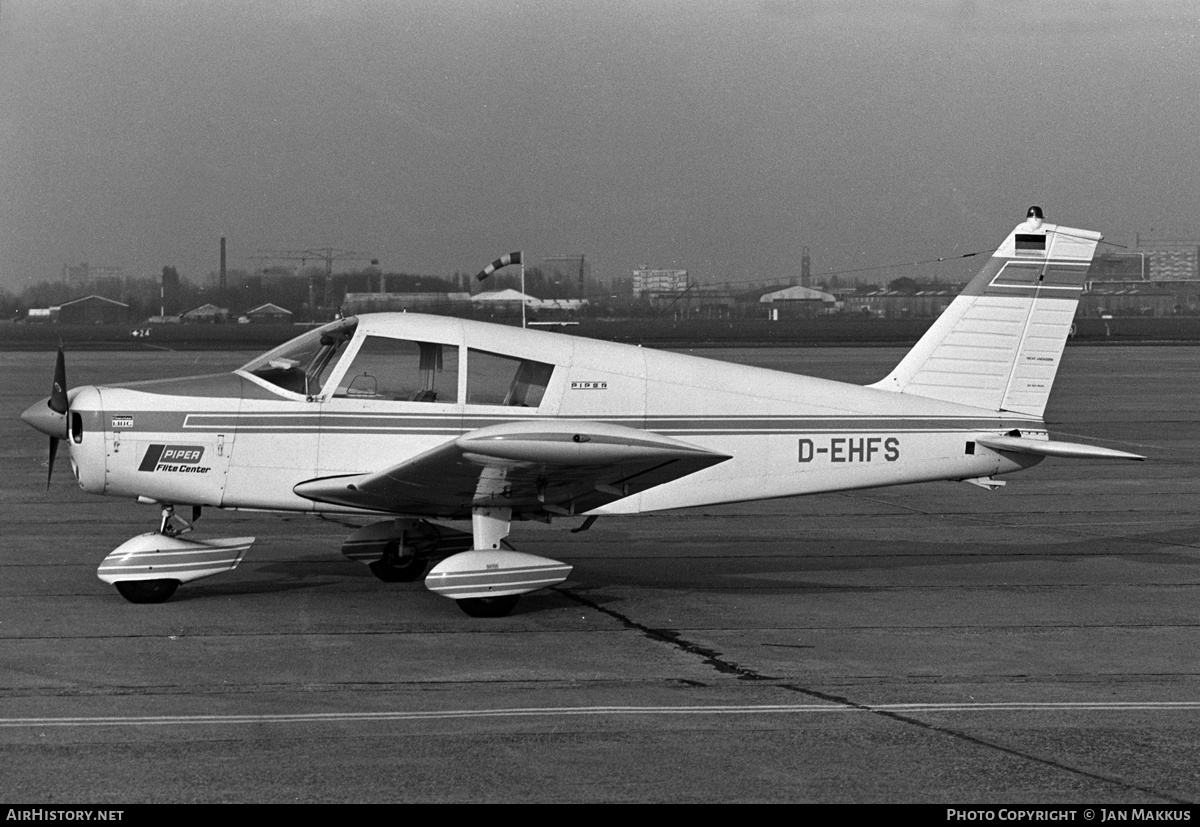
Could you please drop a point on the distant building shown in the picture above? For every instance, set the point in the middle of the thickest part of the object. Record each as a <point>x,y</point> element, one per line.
<point>456,304</point>
<point>1170,259</point>
<point>1138,298</point>
<point>508,302</point>
<point>92,310</point>
<point>209,313</point>
<point>496,302</point>
<point>504,298</point>
<point>892,304</point>
<point>566,305</point>
<point>726,301</point>
<point>646,280</point>
<point>1118,267</point>
<point>269,314</point>
<point>798,303</point>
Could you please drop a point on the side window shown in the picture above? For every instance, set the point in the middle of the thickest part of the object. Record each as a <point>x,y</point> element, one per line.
<point>401,370</point>
<point>493,379</point>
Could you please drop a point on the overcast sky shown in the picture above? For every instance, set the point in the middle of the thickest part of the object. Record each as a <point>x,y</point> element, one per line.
<point>720,137</point>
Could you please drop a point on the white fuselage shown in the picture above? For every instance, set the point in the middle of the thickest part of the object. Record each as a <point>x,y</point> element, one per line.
<point>237,441</point>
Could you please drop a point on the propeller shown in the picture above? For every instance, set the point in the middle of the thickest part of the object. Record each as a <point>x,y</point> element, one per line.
<point>50,415</point>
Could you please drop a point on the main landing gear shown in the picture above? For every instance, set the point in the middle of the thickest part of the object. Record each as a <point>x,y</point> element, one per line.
<point>488,606</point>
<point>391,569</point>
<point>399,551</point>
<point>484,579</point>
<point>487,581</point>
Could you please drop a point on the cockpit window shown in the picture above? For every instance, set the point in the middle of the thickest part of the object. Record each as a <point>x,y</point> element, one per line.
<point>400,370</point>
<point>303,364</point>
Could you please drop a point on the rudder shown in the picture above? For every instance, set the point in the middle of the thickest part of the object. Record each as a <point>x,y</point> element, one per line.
<point>999,343</point>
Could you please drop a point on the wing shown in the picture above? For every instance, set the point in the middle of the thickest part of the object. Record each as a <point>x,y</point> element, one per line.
<point>534,467</point>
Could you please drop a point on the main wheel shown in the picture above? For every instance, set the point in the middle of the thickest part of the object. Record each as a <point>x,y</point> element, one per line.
<point>488,606</point>
<point>406,573</point>
<point>146,591</point>
<point>392,568</point>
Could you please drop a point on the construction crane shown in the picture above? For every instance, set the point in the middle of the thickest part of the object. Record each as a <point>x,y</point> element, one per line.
<point>327,254</point>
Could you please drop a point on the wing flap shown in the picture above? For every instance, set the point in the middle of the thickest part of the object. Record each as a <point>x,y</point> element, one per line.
<point>557,466</point>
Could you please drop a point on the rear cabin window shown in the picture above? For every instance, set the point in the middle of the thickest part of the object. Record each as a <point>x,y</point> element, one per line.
<point>401,370</point>
<point>493,379</point>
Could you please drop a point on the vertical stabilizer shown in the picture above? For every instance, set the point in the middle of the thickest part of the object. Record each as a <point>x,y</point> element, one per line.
<point>998,345</point>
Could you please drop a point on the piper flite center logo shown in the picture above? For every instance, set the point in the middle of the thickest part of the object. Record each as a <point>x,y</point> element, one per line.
<point>181,459</point>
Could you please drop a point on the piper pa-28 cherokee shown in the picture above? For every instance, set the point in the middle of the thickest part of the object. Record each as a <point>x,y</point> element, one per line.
<point>424,418</point>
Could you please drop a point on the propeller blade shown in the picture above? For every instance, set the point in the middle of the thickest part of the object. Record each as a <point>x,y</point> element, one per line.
<point>58,391</point>
<point>50,469</point>
<point>50,415</point>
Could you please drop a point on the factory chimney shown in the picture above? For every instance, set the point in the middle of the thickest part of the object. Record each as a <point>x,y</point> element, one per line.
<point>224,274</point>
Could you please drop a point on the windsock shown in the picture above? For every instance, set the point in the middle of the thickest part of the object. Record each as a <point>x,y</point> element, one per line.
<point>503,261</point>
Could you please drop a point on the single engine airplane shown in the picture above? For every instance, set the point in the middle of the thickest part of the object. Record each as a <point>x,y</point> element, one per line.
<point>421,418</point>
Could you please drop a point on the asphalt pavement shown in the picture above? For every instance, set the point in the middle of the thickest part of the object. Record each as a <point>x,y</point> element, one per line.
<point>935,643</point>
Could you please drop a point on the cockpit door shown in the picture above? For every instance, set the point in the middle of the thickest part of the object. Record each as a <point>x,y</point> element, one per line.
<point>395,399</point>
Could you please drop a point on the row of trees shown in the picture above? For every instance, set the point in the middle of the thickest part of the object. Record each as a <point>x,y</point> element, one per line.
<point>244,291</point>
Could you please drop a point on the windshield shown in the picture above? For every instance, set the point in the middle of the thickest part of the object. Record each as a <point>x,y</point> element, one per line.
<point>302,365</point>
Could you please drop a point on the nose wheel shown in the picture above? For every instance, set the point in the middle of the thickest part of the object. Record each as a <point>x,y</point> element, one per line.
<point>137,567</point>
<point>147,591</point>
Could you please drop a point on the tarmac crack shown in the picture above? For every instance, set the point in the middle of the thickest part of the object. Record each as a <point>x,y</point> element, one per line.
<point>714,659</point>
<point>981,742</point>
<point>710,657</point>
